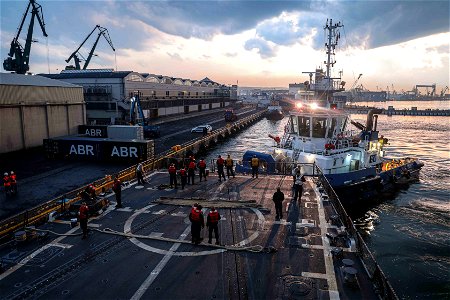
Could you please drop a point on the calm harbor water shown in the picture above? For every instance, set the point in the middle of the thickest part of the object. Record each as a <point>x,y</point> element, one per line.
<point>409,234</point>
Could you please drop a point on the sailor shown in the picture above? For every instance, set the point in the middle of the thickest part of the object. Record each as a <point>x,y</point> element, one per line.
<point>202,168</point>
<point>13,181</point>
<point>298,168</point>
<point>212,221</point>
<point>229,164</point>
<point>92,192</point>
<point>83,215</point>
<point>298,184</point>
<point>255,165</point>
<point>183,177</point>
<point>197,223</point>
<point>140,173</point>
<point>173,175</point>
<point>191,170</point>
<point>7,183</point>
<point>278,198</point>
<point>220,163</point>
<point>117,188</point>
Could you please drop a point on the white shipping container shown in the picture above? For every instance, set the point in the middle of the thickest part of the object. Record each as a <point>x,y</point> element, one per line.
<point>125,132</point>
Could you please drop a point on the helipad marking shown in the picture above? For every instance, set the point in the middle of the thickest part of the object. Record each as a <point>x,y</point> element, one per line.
<point>157,270</point>
<point>127,229</point>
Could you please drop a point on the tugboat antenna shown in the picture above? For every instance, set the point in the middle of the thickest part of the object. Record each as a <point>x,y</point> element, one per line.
<point>333,38</point>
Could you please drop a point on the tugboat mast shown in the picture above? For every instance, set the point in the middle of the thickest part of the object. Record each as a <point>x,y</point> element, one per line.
<point>333,38</point>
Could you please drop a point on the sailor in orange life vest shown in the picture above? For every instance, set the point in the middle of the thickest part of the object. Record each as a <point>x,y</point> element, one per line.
<point>13,181</point>
<point>197,223</point>
<point>117,189</point>
<point>220,164</point>
<point>212,221</point>
<point>191,171</point>
<point>83,215</point>
<point>173,175</point>
<point>202,169</point>
<point>183,176</point>
<point>7,183</point>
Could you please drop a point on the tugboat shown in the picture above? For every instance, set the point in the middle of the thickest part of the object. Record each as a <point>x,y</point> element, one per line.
<point>274,111</point>
<point>354,162</point>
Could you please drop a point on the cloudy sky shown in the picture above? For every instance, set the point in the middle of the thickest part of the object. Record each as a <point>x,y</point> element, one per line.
<point>254,43</point>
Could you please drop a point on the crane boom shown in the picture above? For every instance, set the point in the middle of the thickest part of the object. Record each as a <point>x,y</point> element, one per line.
<point>19,57</point>
<point>102,31</point>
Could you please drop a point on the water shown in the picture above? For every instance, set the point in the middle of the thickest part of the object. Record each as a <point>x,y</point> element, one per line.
<point>410,234</point>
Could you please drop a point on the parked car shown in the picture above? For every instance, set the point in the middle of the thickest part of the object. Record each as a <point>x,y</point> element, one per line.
<point>200,128</point>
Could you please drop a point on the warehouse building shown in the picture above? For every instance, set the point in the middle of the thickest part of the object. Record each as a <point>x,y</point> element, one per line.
<point>107,93</point>
<point>33,108</point>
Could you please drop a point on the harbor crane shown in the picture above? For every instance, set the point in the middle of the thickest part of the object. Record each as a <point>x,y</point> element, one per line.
<point>75,55</point>
<point>18,56</point>
<point>432,86</point>
<point>150,131</point>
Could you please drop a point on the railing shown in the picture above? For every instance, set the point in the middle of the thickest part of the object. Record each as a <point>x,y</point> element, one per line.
<point>39,214</point>
<point>381,283</point>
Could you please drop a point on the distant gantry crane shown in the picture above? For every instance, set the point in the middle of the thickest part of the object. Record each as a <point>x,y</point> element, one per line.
<point>76,54</point>
<point>18,56</point>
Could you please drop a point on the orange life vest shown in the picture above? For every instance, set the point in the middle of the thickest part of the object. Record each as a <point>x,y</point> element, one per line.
<point>6,181</point>
<point>192,165</point>
<point>195,215</point>
<point>202,164</point>
<point>229,162</point>
<point>220,161</point>
<point>172,170</point>
<point>84,211</point>
<point>214,217</point>
<point>183,172</point>
<point>12,178</point>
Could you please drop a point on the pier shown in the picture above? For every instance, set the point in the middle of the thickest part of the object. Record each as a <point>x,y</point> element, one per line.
<point>391,111</point>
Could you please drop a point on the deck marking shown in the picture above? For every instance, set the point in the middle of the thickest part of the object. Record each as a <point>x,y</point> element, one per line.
<point>93,225</point>
<point>315,275</point>
<point>328,258</point>
<point>61,245</point>
<point>25,260</point>
<point>124,209</point>
<point>157,270</point>
<point>127,229</point>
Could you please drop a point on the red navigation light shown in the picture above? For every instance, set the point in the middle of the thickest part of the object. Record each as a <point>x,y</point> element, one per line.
<point>333,106</point>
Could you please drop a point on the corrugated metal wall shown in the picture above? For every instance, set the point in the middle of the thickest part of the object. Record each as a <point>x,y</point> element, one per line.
<point>14,94</point>
<point>29,114</point>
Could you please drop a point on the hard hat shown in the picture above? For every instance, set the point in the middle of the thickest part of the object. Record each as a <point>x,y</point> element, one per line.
<point>12,172</point>
<point>6,174</point>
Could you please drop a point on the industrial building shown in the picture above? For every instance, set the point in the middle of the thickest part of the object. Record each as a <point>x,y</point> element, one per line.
<point>33,108</point>
<point>107,93</point>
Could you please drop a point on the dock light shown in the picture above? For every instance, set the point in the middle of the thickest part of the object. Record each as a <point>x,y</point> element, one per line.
<point>298,105</point>
<point>314,106</point>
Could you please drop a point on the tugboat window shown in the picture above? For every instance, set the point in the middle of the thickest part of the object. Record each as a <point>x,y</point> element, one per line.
<point>331,124</point>
<point>303,126</point>
<point>294,124</point>
<point>319,127</point>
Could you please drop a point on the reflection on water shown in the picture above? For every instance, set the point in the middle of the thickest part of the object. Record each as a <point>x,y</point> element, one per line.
<point>410,234</point>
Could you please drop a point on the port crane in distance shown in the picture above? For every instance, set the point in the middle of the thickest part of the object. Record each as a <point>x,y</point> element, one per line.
<point>76,54</point>
<point>19,57</point>
<point>150,131</point>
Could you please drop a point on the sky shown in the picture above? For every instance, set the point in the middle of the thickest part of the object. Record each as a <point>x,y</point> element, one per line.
<point>395,44</point>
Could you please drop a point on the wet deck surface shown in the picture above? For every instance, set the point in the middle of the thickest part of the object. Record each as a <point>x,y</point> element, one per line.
<point>108,266</point>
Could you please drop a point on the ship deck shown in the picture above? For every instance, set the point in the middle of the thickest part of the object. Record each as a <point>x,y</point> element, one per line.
<point>260,257</point>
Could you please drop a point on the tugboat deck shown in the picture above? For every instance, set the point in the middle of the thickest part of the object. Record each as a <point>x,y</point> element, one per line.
<point>260,257</point>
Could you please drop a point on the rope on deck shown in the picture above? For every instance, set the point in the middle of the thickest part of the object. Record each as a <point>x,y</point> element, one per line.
<point>255,248</point>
